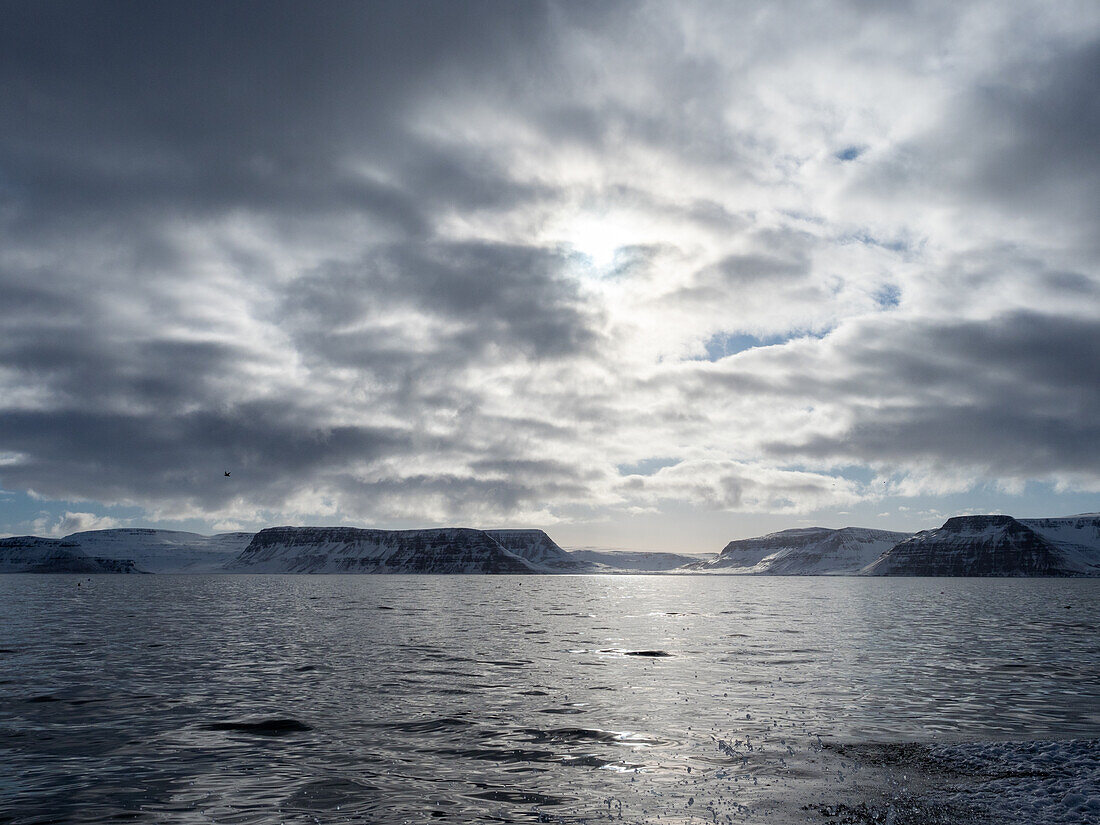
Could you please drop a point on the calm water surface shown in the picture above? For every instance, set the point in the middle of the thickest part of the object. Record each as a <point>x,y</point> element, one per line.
<point>265,699</point>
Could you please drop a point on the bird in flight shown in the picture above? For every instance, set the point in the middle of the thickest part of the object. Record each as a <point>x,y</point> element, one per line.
<point>227,473</point>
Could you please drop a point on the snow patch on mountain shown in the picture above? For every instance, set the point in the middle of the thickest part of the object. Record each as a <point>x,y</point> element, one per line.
<point>163,551</point>
<point>803,551</point>
<point>534,546</point>
<point>629,561</point>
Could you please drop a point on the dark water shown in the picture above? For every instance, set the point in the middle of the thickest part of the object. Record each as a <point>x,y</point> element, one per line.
<point>246,699</point>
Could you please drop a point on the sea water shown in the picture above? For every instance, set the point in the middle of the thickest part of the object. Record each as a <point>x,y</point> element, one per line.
<point>269,699</point>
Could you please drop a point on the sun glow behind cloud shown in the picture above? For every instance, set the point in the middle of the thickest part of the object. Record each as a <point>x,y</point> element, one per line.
<point>758,248</point>
<point>599,238</point>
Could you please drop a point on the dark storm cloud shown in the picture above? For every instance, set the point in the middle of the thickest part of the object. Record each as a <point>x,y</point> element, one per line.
<point>137,416</point>
<point>122,120</point>
<point>1023,142</point>
<point>1045,131</point>
<point>67,344</point>
<point>459,497</point>
<point>178,458</point>
<point>31,295</point>
<point>1018,395</point>
<point>503,295</point>
<point>999,442</point>
<point>511,466</point>
<point>78,368</point>
<point>190,106</point>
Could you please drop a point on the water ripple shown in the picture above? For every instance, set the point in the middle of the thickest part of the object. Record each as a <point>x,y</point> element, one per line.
<point>297,699</point>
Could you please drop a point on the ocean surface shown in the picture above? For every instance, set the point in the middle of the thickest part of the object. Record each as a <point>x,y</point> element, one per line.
<point>392,699</point>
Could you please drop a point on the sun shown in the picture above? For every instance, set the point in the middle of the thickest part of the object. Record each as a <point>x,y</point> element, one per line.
<point>598,239</point>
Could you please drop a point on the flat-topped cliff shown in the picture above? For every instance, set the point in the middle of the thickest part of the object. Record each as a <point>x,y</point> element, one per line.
<point>982,545</point>
<point>354,550</point>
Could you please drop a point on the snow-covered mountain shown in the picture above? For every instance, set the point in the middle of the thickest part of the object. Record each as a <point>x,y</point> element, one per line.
<point>535,546</point>
<point>353,550</point>
<point>804,551</point>
<point>995,545</point>
<point>964,546</point>
<point>163,551</point>
<point>1078,537</point>
<point>33,554</point>
<point>629,561</point>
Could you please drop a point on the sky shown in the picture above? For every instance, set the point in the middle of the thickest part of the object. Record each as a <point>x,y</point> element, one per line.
<point>645,275</point>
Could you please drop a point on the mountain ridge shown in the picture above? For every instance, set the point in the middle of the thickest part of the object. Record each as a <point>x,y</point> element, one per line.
<point>983,545</point>
<point>803,551</point>
<point>995,545</point>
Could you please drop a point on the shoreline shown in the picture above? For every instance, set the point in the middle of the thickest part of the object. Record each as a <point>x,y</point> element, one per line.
<point>988,782</point>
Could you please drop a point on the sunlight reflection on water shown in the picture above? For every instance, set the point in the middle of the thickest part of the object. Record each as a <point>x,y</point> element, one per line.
<point>416,698</point>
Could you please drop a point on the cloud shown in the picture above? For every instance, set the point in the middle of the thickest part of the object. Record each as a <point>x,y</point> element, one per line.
<point>70,523</point>
<point>1017,149</point>
<point>466,263</point>
<point>175,462</point>
<point>741,487</point>
<point>1013,397</point>
<point>462,297</point>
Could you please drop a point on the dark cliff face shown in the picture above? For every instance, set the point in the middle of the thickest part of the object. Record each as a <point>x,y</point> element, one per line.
<point>535,546</point>
<point>960,524</point>
<point>974,546</point>
<point>33,554</point>
<point>116,565</point>
<point>18,542</point>
<point>303,536</point>
<point>354,550</point>
<point>83,564</point>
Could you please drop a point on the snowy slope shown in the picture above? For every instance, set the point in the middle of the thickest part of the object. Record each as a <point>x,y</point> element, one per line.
<point>992,545</point>
<point>535,546</point>
<point>163,551</point>
<point>629,561</point>
<point>32,554</point>
<point>808,551</point>
<point>352,550</point>
<point>1078,537</point>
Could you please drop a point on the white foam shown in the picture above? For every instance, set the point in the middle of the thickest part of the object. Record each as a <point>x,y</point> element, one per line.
<point>1038,781</point>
